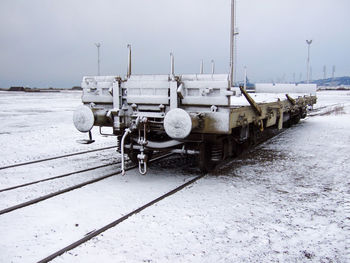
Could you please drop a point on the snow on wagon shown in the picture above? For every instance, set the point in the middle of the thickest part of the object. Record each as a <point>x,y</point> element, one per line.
<point>202,114</point>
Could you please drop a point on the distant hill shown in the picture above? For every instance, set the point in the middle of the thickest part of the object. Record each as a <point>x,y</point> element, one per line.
<point>339,81</point>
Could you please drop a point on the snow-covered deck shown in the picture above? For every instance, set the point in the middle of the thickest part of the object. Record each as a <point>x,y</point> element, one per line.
<point>263,98</point>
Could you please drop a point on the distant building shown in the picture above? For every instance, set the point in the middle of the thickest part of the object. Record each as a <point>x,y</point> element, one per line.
<point>77,88</point>
<point>17,89</point>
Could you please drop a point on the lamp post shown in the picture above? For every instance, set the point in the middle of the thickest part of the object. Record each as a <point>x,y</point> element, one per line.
<point>128,74</point>
<point>308,42</point>
<point>212,67</point>
<point>98,45</point>
<point>245,78</point>
<point>232,33</point>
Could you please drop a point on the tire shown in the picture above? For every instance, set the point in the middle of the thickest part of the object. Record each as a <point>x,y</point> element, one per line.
<point>296,119</point>
<point>237,149</point>
<point>204,162</point>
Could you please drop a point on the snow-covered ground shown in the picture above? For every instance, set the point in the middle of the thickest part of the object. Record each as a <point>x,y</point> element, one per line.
<point>39,125</point>
<point>285,201</point>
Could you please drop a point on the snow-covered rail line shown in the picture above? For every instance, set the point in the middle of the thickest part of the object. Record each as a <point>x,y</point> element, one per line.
<point>42,198</point>
<point>97,232</point>
<point>56,177</point>
<point>55,157</point>
<point>71,188</point>
<point>328,109</point>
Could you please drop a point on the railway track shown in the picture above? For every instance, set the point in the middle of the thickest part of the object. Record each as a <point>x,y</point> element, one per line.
<point>56,177</point>
<point>327,109</point>
<point>94,233</point>
<point>54,158</point>
<point>68,189</point>
<point>42,198</point>
<point>117,221</point>
<point>97,232</point>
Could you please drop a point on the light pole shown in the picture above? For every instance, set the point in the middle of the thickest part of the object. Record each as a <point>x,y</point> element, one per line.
<point>212,67</point>
<point>98,58</point>
<point>308,42</point>
<point>232,33</point>
<point>128,74</point>
<point>245,78</point>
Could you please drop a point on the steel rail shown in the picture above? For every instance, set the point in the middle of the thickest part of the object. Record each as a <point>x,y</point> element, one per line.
<point>319,111</point>
<point>68,189</point>
<point>56,177</point>
<point>95,233</point>
<point>55,157</point>
<point>326,106</point>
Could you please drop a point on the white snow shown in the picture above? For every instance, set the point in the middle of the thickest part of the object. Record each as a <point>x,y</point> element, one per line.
<point>285,201</point>
<point>264,98</point>
<point>40,125</point>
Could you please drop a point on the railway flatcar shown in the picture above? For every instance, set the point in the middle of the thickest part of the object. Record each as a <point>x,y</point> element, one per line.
<point>190,114</point>
<point>201,114</point>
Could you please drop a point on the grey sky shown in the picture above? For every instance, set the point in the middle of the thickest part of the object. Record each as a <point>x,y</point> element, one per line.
<point>51,42</point>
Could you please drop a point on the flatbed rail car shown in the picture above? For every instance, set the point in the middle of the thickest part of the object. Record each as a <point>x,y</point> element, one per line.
<point>203,114</point>
<point>190,114</point>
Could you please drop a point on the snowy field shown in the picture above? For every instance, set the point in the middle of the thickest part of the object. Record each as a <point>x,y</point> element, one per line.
<point>287,200</point>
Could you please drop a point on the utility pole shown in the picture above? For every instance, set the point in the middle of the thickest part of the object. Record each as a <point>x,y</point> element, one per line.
<point>311,73</point>
<point>128,72</point>
<point>212,67</point>
<point>245,78</point>
<point>98,45</point>
<point>333,72</point>
<point>233,33</point>
<point>324,72</point>
<point>308,60</point>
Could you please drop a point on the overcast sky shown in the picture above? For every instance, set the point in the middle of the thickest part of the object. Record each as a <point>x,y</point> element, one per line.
<point>51,42</point>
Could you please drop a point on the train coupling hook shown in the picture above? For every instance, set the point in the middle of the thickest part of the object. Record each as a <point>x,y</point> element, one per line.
<point>142,161</point>
<point>142,157</point>
<point>126,133</point>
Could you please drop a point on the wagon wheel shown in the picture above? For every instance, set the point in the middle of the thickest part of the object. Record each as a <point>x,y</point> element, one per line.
<point>253,136</point>
<point>296,119</point>
<point>204,161</point>
<point>288,123</point>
